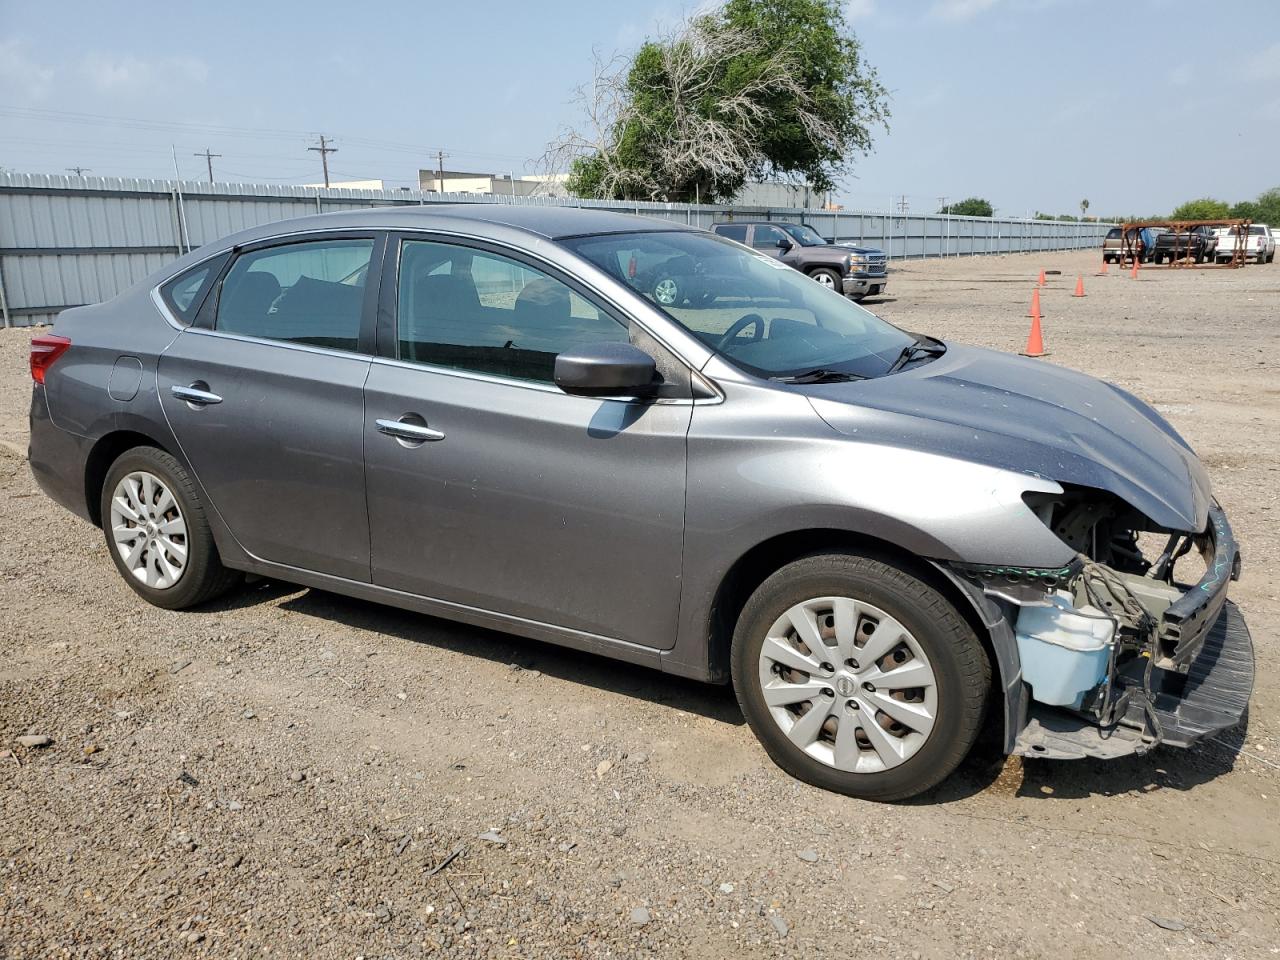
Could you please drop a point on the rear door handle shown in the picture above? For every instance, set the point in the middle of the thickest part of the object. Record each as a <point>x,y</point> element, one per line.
<point>195,395</point>
<point>409,430</point>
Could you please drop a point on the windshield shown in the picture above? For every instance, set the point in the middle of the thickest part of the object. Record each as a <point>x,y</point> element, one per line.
<point>754,310</point>
<point>803,234</point>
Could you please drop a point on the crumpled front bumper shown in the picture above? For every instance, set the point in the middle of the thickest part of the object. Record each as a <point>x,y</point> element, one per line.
<point>1201,678</point>
<point>1211,697</point>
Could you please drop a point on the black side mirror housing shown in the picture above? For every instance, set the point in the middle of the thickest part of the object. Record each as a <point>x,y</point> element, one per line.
<point>785,244</point>
<point>606,370</point>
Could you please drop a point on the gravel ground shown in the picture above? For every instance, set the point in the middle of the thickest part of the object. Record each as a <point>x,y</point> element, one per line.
<point>290,773</point>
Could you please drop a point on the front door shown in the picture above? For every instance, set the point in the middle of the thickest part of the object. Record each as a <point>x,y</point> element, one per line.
<point>267,402</point>
<point>490,488</point>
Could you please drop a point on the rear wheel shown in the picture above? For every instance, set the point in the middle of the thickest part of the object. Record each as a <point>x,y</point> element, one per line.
<point>859,677</point>
<point>157,533</point>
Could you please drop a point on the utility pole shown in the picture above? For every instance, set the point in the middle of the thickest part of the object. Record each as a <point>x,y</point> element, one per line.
<point>79,171</point>
<point>440,172</point>
<point>942,208</point>
<point>324,150</point>
<point>208,159</point>
<point>903,206</point>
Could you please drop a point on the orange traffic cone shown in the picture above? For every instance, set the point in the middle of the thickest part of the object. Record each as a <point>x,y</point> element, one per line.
<point>1134,273</point>
<point>1035,341</point>
<point>1103,271</point>
<point>1041,278</point>
<point>1079,287</point>
<point>1035,304</point>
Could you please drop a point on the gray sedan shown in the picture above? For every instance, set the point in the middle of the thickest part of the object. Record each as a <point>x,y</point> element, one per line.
<point>483,413</point>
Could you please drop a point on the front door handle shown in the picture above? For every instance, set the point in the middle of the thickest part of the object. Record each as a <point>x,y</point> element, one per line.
<point>197,394</point>
<point>412,429</point>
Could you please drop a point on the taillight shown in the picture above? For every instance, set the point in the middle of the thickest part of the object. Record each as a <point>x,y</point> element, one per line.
<point>45,349</point>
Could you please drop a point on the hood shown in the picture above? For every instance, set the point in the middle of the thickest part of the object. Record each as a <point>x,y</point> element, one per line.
<point>855,248</point>
<point>1030,417</point>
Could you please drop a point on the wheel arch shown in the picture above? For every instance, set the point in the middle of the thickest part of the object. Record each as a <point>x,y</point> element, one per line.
<point>106,450</point>
<point>764,558</point>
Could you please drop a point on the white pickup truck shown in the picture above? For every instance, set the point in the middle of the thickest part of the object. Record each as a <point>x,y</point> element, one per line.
<point>1260,244</point>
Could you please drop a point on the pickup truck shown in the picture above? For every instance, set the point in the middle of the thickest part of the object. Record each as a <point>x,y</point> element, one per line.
<point>1113,246</point>
<point>1199,243</point>
<point>856,272</point>
<point>1259,244</point>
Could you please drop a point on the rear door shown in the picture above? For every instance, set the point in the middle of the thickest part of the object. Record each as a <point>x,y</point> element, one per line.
<point>491,489</point>
<point>266,397</point>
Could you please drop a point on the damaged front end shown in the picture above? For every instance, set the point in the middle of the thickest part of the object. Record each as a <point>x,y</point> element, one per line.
<point>1117,652</point>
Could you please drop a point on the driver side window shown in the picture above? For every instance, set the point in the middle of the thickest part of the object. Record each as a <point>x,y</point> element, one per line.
<point>475,310</point>
<point>768,238</point>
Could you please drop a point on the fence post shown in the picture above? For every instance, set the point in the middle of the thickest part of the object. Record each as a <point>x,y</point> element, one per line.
<point>4,304</point>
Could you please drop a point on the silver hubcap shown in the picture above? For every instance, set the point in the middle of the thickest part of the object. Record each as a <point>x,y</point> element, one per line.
<point>149,530</point>
<point>665,291</point>
<point>848,684</point>
<point>824,279</point>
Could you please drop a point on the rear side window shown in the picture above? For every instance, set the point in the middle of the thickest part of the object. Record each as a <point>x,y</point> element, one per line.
<point>310,292</point>
<point>1113,233</point>
<point>185,292</point>
<point>734,231</point>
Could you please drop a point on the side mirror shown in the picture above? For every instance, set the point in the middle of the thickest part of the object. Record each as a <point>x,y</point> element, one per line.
<point>784,244</point>
<point>606,370</point>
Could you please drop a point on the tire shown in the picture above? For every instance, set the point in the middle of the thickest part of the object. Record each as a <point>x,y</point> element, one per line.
<point>959,677</point>
<point>827,278</point>
<point>200,574</point>
<point>1262,258</point>
<point>668,291</point>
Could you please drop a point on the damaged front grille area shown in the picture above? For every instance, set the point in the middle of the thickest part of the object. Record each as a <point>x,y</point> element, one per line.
<point>1112,644</point>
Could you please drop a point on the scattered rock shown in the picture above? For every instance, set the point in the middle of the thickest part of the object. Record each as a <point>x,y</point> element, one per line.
<point>726,888</point>
<point>494,837</point>
<point>779,925</point>
<point>188,779</point>
<point>1165,923</point>
<point>808,856</point>
<point>640,916</point>
<point>566,846</point>
<point>248,715</point>
<point>297,776</point>
<point>638,758</point>
<point>603,767</point>
<point>34,740</point>
<point>618,829</point>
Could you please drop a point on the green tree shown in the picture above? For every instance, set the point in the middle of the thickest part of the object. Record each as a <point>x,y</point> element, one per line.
<point>1206,208</point>
<point>1268,204</point>
<point>1084,209</point>
<point>972,207</point>
<point>1246,210</point>
<point>752,89</point>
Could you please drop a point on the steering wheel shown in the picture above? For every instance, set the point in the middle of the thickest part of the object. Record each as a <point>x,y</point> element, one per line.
<point>747,320</point>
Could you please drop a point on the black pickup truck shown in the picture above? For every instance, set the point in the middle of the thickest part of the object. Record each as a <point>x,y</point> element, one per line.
<point>856,272</point>
<point>1199,243</point>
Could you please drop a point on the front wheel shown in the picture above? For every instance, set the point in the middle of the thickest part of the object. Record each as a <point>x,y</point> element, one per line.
<point>859,677</point>
<point>157,533</point>
<point>827,278</point>
<point>667,291</point>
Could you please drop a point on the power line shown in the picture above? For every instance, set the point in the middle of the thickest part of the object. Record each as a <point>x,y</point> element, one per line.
<point>208,159</point>
<point>324,150</point>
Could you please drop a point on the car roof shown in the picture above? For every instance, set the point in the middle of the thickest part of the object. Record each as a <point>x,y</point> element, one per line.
<point>550,222</point>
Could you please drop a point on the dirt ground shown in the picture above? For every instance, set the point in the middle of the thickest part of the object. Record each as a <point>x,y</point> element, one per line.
<point>287,773</point>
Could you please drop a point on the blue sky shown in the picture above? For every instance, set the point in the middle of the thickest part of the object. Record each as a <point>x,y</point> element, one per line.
<point>1033,104</point>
